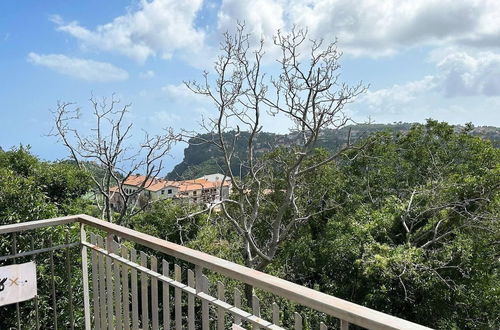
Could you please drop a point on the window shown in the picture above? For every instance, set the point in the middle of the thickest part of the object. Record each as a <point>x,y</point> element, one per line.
<point>163,192</point>
<point>194,192</point>
<point>169,191</point>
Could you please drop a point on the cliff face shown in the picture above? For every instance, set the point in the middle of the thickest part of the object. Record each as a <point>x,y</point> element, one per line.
<point>202,159</point>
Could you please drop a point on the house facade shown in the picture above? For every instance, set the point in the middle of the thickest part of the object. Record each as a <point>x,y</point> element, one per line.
<point>207,190</point>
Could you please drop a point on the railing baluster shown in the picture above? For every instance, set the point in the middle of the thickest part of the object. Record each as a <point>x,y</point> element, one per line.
<point>255,309</point>
<point>237,304</point>
<point>221,291</point>
<point>144,292</point>
<point>37,314</point>
<point>109,282</point>
<point>70,286</point>
<point>178,298</point>
<point>344,325</point>
<point>85,279</point>
<point>322,326</point>
<point>205,317</point>
<point>165,296</point>
<point>135,298</point>
<point>125,293</point>
<point>14,261</point>
<point>298,321</point>
<point>95,285</point>
<point>102,286</point>
<point>118,289</point>
<point>191,283</point>
<point>52,275</point>
<point>154,294</point>
<point>276,314</point>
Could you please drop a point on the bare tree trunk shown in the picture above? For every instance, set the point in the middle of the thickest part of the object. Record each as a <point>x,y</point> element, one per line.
<point>266,209</point>
<point>105,147</point>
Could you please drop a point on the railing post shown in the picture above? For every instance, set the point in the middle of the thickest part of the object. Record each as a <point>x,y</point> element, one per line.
<point>109,281</point>
<point>14,252</point>
<point>198,272</point>
<point>85,277</point>
<point>202,286</point>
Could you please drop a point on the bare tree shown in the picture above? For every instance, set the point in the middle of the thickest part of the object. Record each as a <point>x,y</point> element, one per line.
<point>107,148</point>
<point>307,91</point>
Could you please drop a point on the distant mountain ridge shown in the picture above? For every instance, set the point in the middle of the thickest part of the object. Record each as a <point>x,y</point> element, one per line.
<point>205,159</point>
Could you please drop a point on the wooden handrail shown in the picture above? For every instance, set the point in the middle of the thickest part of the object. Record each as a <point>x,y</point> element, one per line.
<point>339,308</point>
<point>30,225</point>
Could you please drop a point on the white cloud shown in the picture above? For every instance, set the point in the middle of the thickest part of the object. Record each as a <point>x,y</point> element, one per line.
<point>459,74</point>
<point>366,28</point>
<point>263,17</point>
<point>374,27</point>
<point>147,74</point>
<point>158,27</point>
<point>79,68</point>
<point>393,98</point>
<point>56,19</point>
<point>181,94</point>
<point>164,118</point>
<point>464,75</point>
<point>466,87</point>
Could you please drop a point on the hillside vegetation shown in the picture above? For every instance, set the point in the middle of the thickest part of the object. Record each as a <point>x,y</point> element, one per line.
<point>409,227</point>
<point>202,159</point>
<point>412,226</point>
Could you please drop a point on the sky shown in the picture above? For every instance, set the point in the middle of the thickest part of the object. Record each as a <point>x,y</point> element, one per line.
<point>421,59</point>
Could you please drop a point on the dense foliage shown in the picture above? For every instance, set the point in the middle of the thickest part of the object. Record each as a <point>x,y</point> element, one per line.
<point>409,226</point>
<point>416,232</point>
<point>30,190</point>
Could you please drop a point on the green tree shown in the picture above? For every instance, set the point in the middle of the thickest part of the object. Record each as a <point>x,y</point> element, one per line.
<point>416,232</point>
<point>31,189</point>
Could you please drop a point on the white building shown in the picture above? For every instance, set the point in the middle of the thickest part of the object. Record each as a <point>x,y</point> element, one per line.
<point>208,189</point>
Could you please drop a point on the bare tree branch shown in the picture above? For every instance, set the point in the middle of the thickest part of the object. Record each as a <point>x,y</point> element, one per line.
<point>106,147</point>
<point>309,92</point>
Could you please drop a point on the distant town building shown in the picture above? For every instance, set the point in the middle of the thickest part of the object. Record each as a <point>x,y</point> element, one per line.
<point>215,177</point>
<point>208,189</point>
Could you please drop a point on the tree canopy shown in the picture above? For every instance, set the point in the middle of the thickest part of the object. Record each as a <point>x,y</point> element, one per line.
<point>416,233</point>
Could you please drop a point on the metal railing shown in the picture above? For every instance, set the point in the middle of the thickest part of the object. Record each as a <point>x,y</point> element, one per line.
<point>167,286</point>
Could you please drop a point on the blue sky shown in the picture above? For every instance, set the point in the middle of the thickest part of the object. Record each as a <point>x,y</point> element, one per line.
<point>422,59</point>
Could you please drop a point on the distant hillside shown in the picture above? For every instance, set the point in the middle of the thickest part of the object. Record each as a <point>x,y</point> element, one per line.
<point>205,159</point>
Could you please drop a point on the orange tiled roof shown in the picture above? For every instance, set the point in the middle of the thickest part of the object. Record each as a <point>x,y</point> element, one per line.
<point>199,184</point>
<point>151,184</point>
<point>154,184</point>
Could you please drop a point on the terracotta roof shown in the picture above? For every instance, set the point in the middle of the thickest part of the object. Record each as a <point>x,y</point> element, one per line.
<point>154,184</point>
<point>199,184</point>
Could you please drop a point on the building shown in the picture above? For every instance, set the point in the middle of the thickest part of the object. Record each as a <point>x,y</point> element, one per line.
<point>209,189</point>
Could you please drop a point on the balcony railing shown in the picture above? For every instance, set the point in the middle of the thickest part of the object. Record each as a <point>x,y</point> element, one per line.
<point>108,284</point>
